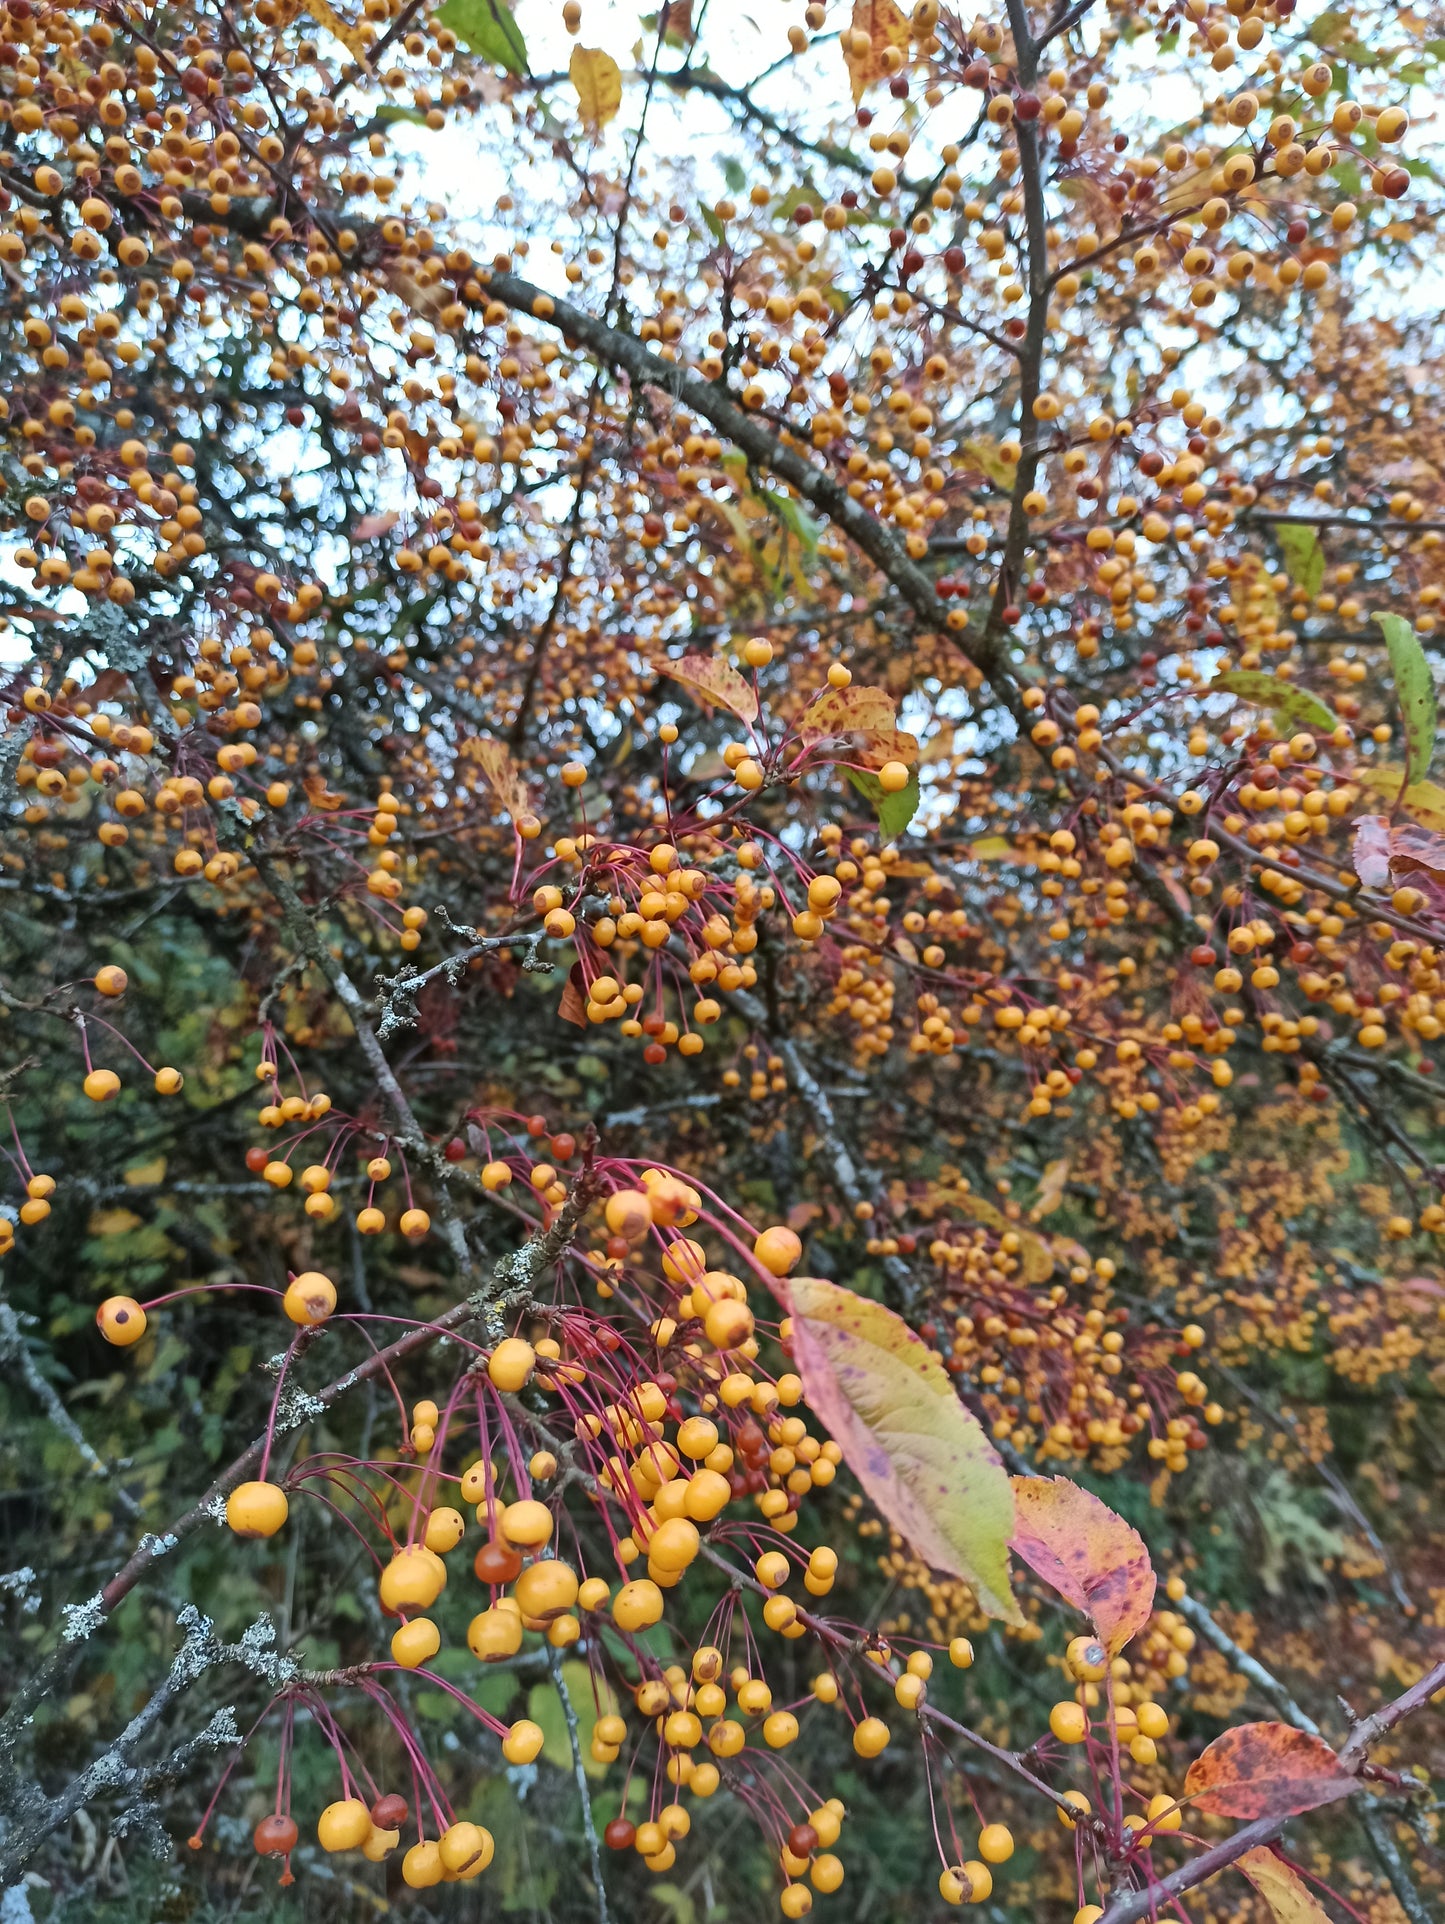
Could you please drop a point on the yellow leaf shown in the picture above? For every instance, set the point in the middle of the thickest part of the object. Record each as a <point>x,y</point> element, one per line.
<point>885,27</point>
<point>350,37</point>
<point>1288,1899</point>
<point>986,457</point>
<point>598,80</point>
<point>112,1222</point>
<point>1051,1190</point>
<point>920,1455</point>
<point>994,848</point>
<point>1035,1258</point>
<point>141,1175</point>
<point>1423,802</point>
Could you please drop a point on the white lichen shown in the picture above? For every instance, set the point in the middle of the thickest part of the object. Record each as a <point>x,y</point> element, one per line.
<point>81,1620</point>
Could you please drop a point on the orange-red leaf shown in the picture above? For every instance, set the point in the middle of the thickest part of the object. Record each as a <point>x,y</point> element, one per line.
<point>1286,1895</point>
<point>881,745</point>
<point>848,711</point>
<point>714,680</point>
<point>1266,1770</point>
<point>1087,1553</point>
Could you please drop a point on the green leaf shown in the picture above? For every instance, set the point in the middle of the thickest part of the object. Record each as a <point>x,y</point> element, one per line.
<point>1303,555</point>
<point>712,223</point>
<point>893,1410</point>
<point>1415,687</point>
<point>794,519</point>
<point>487,27</point>
<point>388,113</point>
<point>734,175</point>
<point>1290,705</point>
<point>894,811</point>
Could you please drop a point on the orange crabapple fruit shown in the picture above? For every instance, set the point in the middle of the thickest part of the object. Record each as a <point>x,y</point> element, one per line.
<point>416,1642</point>
<point>256,1509</point>
<point>121,1320</point>
<point>310,1298</point>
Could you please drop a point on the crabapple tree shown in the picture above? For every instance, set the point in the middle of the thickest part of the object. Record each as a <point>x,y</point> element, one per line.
<point>721,928</point>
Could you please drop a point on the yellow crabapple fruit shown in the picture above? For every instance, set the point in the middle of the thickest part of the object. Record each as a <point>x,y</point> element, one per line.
<point>256,1509</point>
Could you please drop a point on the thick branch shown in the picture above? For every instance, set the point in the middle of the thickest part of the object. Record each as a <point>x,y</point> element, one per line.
<point>626,354</point>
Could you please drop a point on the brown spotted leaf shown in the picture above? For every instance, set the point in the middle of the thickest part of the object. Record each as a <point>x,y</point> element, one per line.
<point>885,26</point>
<point>1082,1549</point>
<point>849,711</point>
<point>714,681</point>
<point>882,745</point>
<point>1266,1770</point>
<point>1285,1893</point>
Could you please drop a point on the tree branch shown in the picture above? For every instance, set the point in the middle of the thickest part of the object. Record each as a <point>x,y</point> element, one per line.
<point>627,354</point>
<point>579,1772</point>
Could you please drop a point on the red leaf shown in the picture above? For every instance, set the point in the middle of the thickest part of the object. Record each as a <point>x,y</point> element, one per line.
<point>1087,1553</point>
<point>712,680</point>
<point>1413,848</point>
<point>1266,1770</point>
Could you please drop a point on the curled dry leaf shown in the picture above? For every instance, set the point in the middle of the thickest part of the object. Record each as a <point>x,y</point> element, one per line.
<point>712,680</point>
<point>503,776</point>
<point>1417,850</point>
<point>1266,1770</point>
<point>919,1454</point>
<point>1086,1552</point>
<point>573,1005</point>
